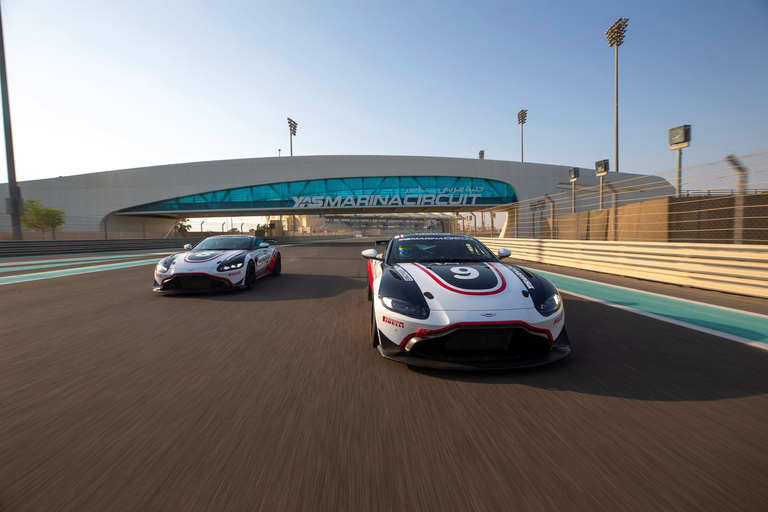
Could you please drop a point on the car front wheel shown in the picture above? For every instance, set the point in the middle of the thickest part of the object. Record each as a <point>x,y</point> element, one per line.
<point>250,276</point>
<point>374,339</point>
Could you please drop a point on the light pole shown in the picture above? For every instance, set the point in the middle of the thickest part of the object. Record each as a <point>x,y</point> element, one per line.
<point>521,117</point>
<point>292,128</point>
<point>15,205</point>
<point>679,138</point>
<point>601,169</point>
<point>615,37</point>
<point>573,175</point>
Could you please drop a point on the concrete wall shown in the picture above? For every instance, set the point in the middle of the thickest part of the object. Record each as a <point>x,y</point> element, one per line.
<point>97,195</point>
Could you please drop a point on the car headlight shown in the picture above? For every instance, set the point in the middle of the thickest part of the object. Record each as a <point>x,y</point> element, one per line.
<point>162,267</point>
<point>551,305</point>
<point>229,266</point>
<point>404,308</point>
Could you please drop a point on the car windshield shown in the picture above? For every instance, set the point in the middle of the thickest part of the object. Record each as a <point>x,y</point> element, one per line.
<point>224,243</point>
<point>437,249</point>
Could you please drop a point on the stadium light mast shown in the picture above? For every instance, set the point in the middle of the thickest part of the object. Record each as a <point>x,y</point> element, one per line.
<point>292,128</point>
<point>14,205</point>
<point>521,118</point>
<point>615,37</point>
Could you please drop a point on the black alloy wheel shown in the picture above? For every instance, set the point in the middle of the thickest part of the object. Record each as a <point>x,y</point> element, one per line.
<point>250,276</point>
<point>278,267</point>
<point>374,338</point>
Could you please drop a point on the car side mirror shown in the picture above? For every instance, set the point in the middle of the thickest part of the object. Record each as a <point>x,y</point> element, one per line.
<point>188,247</point>
<point>263,245</point>
<point>504,253</point>
<point>371,254</point>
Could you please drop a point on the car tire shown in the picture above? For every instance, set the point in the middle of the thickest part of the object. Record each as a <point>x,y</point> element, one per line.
<point>250,276</point>
<point>278,267</point>
<point>370,293</point>
<point>374,338</point>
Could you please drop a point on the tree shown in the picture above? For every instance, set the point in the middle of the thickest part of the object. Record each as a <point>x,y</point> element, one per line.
<point>39,218</point>
<point>183,225</point>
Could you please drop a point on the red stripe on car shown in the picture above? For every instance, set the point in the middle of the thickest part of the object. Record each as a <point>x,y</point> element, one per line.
<point>423,332</point>
<point>370,275</point>
<point>447,286</point>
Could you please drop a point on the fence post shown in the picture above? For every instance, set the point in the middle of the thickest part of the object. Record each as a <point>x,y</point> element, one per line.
<point>738,201</point>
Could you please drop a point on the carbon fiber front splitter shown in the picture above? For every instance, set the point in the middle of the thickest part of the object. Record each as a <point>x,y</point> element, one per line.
<point>561,347</point>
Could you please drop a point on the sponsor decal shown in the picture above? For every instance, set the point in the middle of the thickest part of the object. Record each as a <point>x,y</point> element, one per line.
<point>522,277</point>
<point>488,315</point>
<point>388,320</point>
<point>451,199</point>
<point>557,320</point>
<point>404,275</point>
<point>234,273</point>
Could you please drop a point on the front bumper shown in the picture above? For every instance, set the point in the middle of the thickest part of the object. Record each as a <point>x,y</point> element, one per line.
<point>479,348</point>
<point>193,283</point>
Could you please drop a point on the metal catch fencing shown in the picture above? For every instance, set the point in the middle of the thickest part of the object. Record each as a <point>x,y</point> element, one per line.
<point>718,202</point>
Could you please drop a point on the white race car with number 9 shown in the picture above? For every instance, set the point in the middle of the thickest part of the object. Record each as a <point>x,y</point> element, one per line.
<point>446,301</point>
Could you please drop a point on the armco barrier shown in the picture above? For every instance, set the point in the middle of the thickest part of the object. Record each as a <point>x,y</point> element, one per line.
<point>740,269</point>
<point>293,239</point>
<point>48,247</point>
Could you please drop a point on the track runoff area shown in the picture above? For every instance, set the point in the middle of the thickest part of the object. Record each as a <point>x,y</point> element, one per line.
<point>114,397</point>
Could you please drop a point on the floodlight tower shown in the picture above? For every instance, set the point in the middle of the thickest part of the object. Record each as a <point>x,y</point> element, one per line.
<point>292,128</point>
<point>521,117</point>
<point>615,37</point>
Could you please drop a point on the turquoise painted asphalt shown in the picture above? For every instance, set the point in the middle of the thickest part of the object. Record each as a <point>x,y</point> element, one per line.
<point>36,263</point>
<point>740,325</point>
<point>73,271</point>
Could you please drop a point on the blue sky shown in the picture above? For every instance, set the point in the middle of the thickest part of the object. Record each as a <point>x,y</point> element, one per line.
<point>97,86</point>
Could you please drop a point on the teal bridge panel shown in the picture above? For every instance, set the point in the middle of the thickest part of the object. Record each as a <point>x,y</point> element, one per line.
<point>390,192</point>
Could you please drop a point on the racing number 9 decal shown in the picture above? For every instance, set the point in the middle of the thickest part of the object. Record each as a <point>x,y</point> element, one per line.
<point>469,279</point>
<point>465,273</point>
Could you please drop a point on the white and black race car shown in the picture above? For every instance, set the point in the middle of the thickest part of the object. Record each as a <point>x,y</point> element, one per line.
<point>217,263</point>
<point>446,301</point>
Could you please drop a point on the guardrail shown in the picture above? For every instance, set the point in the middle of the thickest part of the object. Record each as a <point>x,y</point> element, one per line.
<point>739,269</point>
<point>292,239</point>
<point>48,247</point>
<point>14,248</point>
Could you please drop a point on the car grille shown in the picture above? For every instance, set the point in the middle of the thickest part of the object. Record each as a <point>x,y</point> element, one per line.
<point>480,344</point>
<point>195,284</point>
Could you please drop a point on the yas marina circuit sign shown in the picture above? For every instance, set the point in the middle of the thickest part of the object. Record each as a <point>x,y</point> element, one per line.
<point>460,196</point>
<point>437,193</point>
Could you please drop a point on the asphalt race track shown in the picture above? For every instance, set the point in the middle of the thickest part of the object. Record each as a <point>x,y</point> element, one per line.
<point>115,398</point>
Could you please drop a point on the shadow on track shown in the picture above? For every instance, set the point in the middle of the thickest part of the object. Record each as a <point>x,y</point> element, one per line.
<point>649,360</point>
<point>284,287</point>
